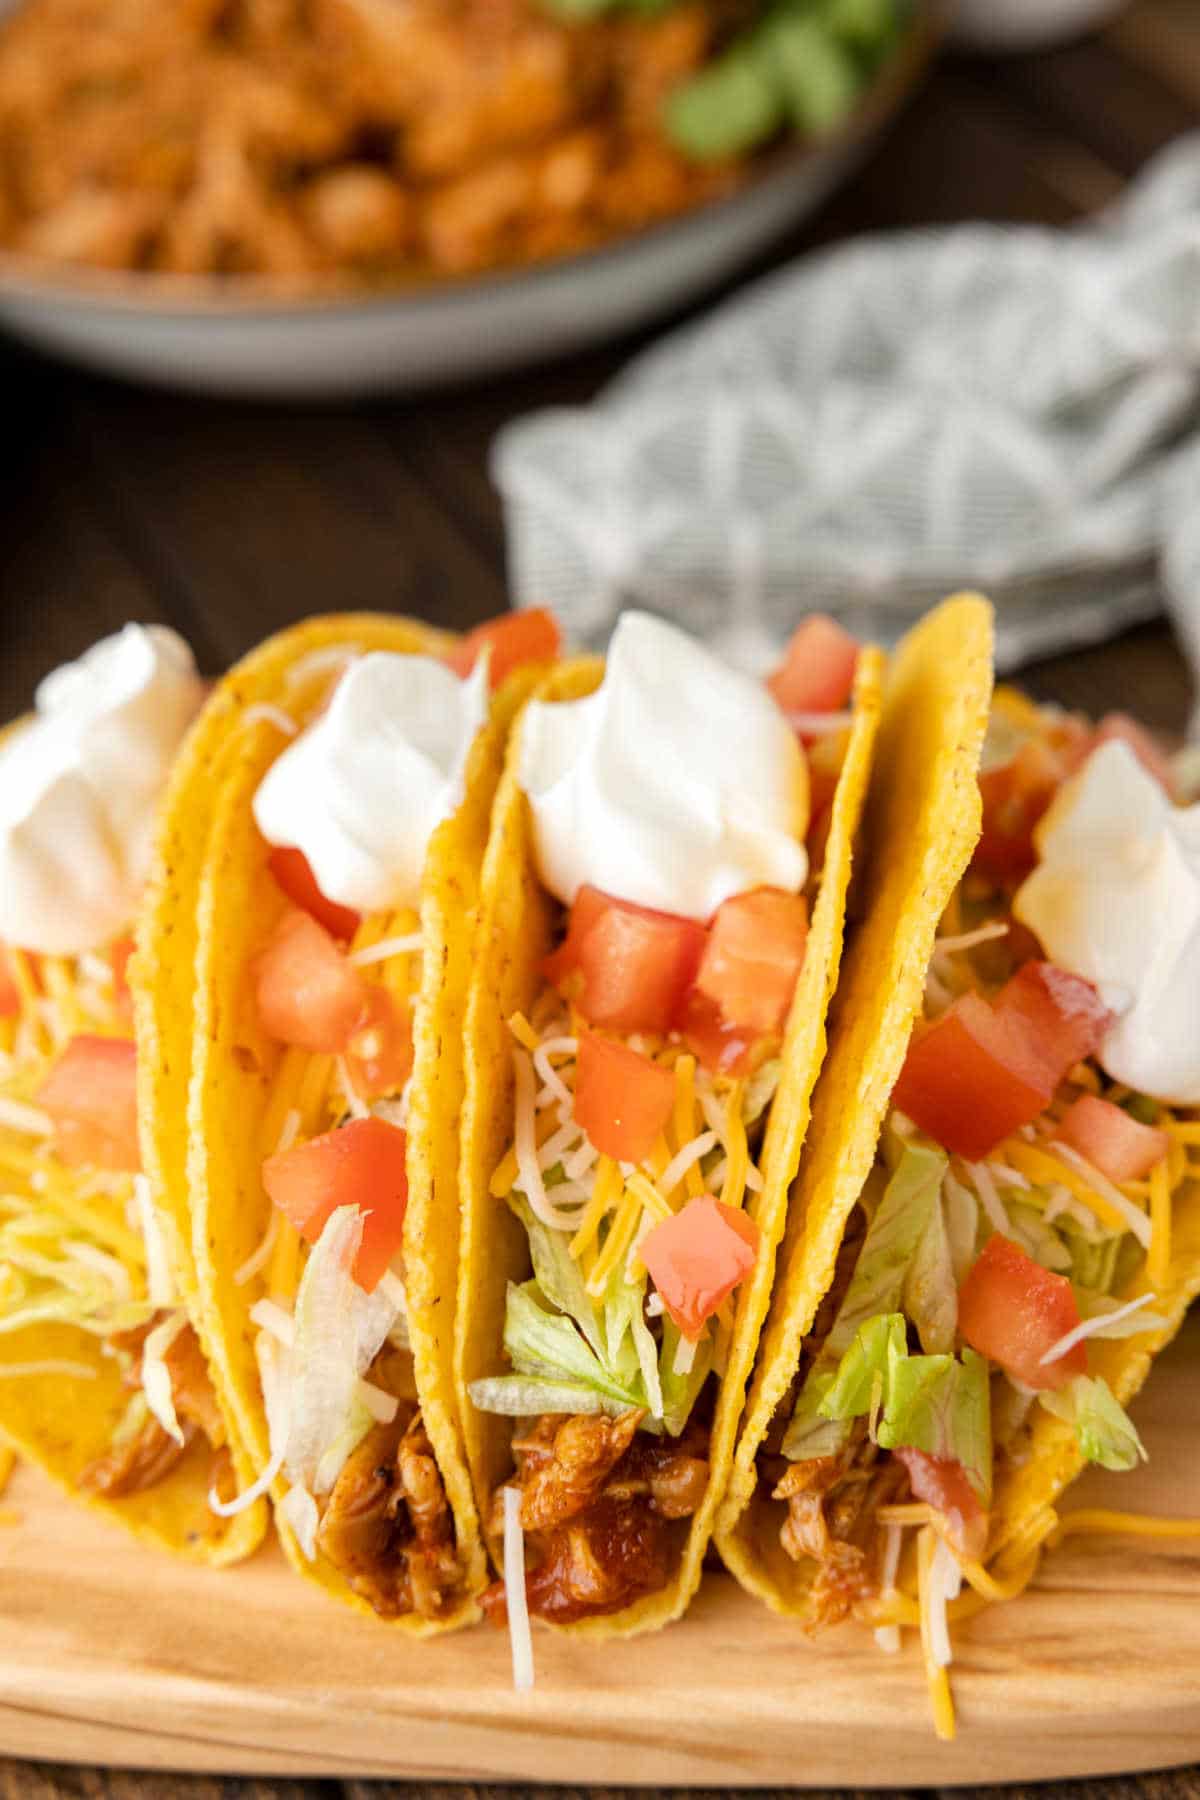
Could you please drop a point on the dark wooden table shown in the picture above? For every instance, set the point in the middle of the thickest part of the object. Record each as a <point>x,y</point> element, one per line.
<point>230,520</point>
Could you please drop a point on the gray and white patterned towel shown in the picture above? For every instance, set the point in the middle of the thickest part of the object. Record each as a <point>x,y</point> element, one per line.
<point>1016,409</point>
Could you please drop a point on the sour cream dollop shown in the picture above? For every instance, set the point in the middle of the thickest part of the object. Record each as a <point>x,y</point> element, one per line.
<point>362,791</point>
<point>1116,898</point>
<point>79,788</point>
<point>677,784</point>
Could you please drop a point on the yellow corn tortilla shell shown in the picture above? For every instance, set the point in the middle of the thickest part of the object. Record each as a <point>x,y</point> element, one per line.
<point>923,817</point>
<point>64,1423</point>
<point>515,930</point>
<point>234,1063</point>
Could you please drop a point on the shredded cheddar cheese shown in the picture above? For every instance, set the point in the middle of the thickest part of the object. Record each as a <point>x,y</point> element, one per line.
<point>940,1700</point>
<point>1048,1170</point>
<point>685,1120</point>
<point>523,1031</point>
<point>1158,1257</point>
<point>604,1196</point>
<point>1095,1521</point>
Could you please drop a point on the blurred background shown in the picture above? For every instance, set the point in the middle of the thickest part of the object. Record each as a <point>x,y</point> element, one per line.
<point>287,287</point>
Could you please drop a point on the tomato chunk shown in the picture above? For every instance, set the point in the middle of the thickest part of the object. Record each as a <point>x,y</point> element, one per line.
<point>363,1164</point>
<point>293,872</point>
<point>634,964</point>
<point>1061,1015</point>
<point>718,1046</point>
<point>753,957</point>
<point>379,1054</point>
<point>91,1094</point>
<point>514,638</point>
<point>941,1481</point>
<point>622,1099</point>
<point>1013,1311</point>
<point>817,671</point>
<point>971,1078</point>
<point>1015,795</point>
<point>1117,1145</point>
<point>10,994</point>
<point>308,993</point>
<point>697,1258</point>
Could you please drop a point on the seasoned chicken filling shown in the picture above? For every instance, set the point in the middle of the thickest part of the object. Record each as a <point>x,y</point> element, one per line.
<point>602,1505</point>
<point>141,1457</point>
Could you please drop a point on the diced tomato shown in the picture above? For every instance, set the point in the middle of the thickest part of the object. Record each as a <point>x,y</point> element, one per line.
<point>308,993</point>
<point>635,965</point>
<point>379,1055</point>
<point>697,1258</point>
<point>91,1094</point>
<point>119,954</point>
<point>514,638</point>
<point>971,1078</point>
<point>941,1481</point>
<point>10,994</point>
<point>1061,1015</point>
<point>1121,728</point>
<point>293,872</point>
<point>622,1099</point>
<point>1114,1143</point>
<point>1013,1311</point>
<point>1015,795</point>
<point>719,1047</point>
<point>363,1164</point>
<point>753,958</point>
<point>817,671</point>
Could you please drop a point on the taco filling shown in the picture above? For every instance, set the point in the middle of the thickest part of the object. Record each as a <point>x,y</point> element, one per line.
<point>679,824</point>
<point>84,1257</point>
<point>348,811</point>
<point>1021,1202</point>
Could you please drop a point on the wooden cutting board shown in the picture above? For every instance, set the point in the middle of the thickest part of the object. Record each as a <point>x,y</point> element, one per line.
<point>111,1655</point>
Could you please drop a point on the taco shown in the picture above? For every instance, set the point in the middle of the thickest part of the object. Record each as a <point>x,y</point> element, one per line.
<point>103,1379</point>
<point>332,923</point>
<point>659,937</point>
<point>995,1231</point>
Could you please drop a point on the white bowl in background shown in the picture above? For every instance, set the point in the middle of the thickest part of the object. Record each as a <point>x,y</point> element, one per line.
<point>248,337</point>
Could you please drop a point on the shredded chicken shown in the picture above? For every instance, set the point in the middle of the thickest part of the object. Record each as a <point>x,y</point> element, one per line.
<point>148,1454</point>
<point>386,1523</point>
<point>601,1503</point>
<point>832,1502</point>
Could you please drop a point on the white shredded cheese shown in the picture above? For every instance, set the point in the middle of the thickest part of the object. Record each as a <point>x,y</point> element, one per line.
<point>50,1365</point>
<point>945,1583</point>
<point>556,1145</point>
<point>550,1078</point>
<point>28,1119</point>
<point>386,948</point>
<point>520,1636</point>
<point>1010,1177</point>
<point>354,1106</point>
<point>262,712</point>
<point>529,1174</point>
<point>581,1162</point>
<point>1100,1325</point>
<point>274,1319</point>
<point>654,1306</point>
<point>259,1258</point>
<point>683,1159</point>
<point>111,1267</point>
<point>227,1509</point>
<point>989,1199</point>
<point>289,1131</point>
<point>967,940</point>
<point>685,1355</point>
<point>160,1279</point>
<point>1135,1219</point>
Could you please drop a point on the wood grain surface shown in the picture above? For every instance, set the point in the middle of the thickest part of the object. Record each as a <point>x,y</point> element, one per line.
<point>229,521</point>
<point>110,1655</point>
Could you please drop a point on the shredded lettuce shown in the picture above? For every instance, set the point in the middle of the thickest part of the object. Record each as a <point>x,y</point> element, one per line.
<point>559,1276</point>
<point>339,1330</point>
<point>892,1239</point>
<point>930,1290</point>
<point>542,1342</point>
<point>942,1406</point>
<point>759,1091</point>
<point>1043,1242</point>
<point>932,1403</point>
<point>523,1396</point>
<point>1103,1429</point>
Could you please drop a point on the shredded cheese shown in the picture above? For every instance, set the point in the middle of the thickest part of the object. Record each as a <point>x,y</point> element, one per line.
<point>386,948</point>
<point>1047,1170</point>
<point>1099,1325</point>
<point>30,1120</point>
<point>685,1121</point>
<point>940,1699</point>
<point>263,713</point>
<point>1105,1193</point>
<point>733,1190</point>
<point>967,940</point>
<point>1158,1257</point>
<point>620,1236</point>
<point>1095,1521</point>
<point>605,1193</point>
<point>523,1031</point>
<point>520,1636</point>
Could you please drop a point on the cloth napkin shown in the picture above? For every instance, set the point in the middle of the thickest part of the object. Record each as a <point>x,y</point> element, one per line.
<point>1014,409</point>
